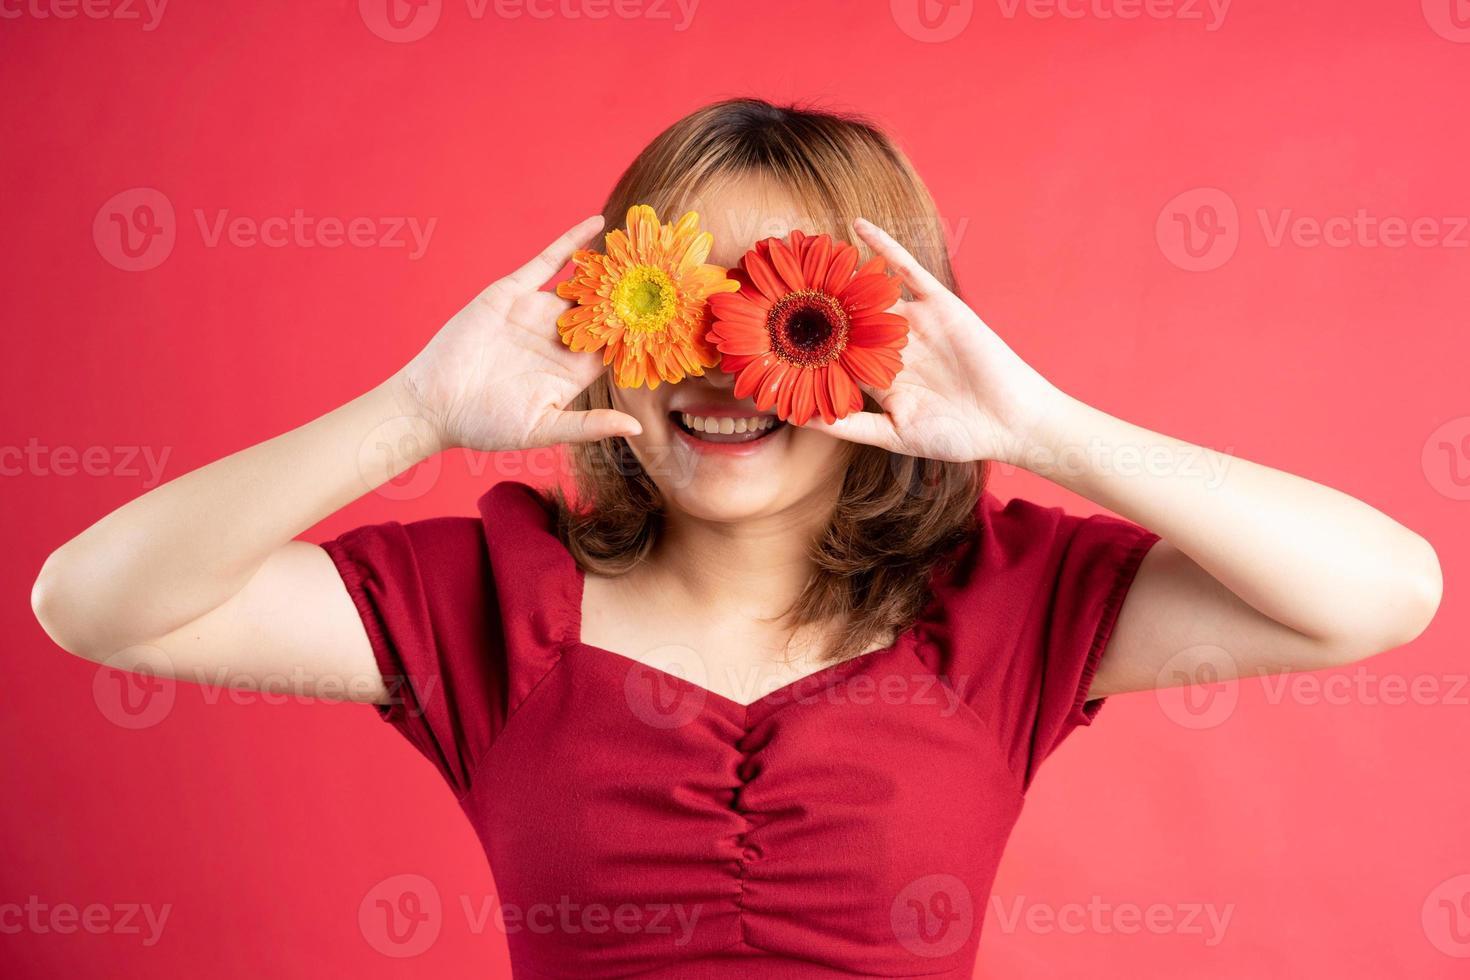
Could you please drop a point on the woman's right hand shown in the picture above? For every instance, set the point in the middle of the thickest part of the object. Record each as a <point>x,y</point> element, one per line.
<point>201,578</point>
<point>497,377</point>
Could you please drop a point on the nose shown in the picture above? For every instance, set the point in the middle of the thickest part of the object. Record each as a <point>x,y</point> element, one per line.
<point>718,379</point>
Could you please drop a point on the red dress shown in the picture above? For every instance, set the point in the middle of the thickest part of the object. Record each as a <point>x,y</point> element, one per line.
<point>640,825</point>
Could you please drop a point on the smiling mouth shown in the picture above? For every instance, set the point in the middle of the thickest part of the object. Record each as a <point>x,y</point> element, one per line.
<point>727,429</point>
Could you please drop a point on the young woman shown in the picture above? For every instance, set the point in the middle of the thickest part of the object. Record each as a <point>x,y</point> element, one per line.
<point>764,699</point>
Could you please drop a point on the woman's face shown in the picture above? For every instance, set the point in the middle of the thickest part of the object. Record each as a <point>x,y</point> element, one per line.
<point>710,468</point>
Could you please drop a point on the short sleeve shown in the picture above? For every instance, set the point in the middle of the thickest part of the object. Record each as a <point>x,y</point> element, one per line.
<point>427,600</point>
<point>1022,620</point>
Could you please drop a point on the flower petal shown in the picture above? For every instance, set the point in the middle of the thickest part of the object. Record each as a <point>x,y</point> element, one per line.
<point>685,256</point>
<point>823,391</point>
<point>846,396</point>
<point>879,330</point>
<point>643,228</point>
<point>869,294</point>
<point>788,266</point>
<point>748,381</point>
<point>620,249</point>
<point>814,263</point>
<point>738,306</point>
<point>803,396</point>
<point>734,337</point>
<point>772,383</point>
<point>839,270</point>
<point>870,365</point>
<point>786,390</point>
<point>763,276</point>
<point>736,363</point>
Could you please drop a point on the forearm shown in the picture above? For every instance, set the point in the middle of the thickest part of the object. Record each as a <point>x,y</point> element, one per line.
<point>1309,557</point>
<point>180,551</point>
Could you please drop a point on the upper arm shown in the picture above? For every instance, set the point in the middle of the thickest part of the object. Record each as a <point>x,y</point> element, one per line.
<point>293,630</point>
<point>1179,625</point>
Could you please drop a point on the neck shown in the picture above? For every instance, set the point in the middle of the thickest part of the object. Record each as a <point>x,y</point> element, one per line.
<point>754,568</point>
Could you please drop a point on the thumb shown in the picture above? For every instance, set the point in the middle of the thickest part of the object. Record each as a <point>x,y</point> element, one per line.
<point>590,426</point>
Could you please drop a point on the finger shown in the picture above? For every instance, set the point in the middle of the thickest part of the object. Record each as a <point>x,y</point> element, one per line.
<point>868,428</point>
<point>914,275</point>
<point>533,274</point>
<point>541,307</point>
<point>599,423</point>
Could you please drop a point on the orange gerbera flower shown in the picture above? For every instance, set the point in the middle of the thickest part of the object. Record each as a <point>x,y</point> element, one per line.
<point>643,303</point>
<point>807,325</point>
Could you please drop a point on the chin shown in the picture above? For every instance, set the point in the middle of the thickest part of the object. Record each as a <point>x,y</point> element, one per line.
<point>721,501</point>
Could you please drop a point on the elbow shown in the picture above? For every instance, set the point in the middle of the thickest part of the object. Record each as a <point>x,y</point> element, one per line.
<point>1409,598</point>
<point>1422,587</point>
<point>1412,594</point>
<point>57,606</point>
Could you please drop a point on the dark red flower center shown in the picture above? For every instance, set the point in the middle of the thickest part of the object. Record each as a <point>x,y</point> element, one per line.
<point>807,328</point>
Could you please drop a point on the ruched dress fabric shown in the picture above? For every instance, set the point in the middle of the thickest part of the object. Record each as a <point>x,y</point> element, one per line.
<point>639,825</point>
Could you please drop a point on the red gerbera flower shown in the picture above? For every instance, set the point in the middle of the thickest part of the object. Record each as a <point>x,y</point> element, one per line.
<point>807,325</point>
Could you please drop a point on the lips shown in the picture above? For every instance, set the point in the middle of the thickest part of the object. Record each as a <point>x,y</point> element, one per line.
<point>725,426</point>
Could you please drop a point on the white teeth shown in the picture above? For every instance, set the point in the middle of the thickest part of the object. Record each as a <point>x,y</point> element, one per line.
<point>725,425</point>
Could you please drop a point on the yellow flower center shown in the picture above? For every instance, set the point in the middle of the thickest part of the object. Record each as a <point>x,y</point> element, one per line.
<point>644,299</point>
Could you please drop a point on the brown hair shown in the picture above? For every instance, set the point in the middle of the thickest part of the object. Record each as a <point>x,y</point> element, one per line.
<point>897,516</point>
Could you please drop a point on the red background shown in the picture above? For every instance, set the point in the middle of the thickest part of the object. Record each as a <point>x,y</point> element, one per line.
<point>1331,825</point>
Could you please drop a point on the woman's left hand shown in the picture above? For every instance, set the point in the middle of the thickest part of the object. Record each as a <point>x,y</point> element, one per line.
<point>962,394</point>
<point>1258,571</point>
